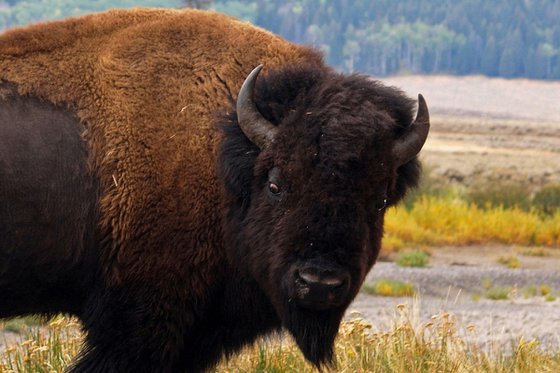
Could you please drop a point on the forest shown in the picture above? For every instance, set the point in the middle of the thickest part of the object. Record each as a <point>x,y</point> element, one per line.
<point>506,38</point>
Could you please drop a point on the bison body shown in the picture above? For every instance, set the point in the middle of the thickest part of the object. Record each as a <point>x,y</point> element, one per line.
<point>153,184</point>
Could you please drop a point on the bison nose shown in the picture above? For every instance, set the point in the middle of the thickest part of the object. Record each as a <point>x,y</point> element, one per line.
<point>321,289</point>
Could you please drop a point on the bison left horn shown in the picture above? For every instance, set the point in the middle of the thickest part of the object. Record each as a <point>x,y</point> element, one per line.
<point>409,145</point>
<point>259,130</point>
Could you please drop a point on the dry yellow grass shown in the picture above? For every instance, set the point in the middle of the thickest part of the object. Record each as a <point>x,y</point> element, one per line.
<point>452,221</point>
<point>440,345</point>
<point>48,348</point>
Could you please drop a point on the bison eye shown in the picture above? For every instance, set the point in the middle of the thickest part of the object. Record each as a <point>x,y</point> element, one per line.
<point>273,189</point>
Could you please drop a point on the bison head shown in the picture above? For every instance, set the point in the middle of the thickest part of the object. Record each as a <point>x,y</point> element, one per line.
<point>309,163</point>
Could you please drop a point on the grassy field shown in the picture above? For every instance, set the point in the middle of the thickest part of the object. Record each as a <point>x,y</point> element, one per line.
<point>440,345</point>
<point>434,221</point>
<point>440,213</point>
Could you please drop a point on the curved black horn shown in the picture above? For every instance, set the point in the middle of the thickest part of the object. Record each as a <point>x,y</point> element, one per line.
<point>259,130</point>
<point>409,144</point>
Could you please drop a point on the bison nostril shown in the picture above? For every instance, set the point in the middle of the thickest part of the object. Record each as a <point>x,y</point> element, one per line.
<point>319,288</point>
<point>332,281</point>
<point>313,278</point>
<point>309,278</point>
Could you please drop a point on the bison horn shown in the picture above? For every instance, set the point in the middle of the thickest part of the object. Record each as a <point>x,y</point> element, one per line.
<point>409,145</point>
<point>259,130</point>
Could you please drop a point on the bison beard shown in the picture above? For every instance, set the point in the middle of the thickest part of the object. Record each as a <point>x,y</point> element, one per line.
<point>314,333</point>
<point>189,206</point>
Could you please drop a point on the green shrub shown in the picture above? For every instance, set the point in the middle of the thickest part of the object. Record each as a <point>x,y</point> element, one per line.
<point>547,199</point>
<point>507,195</point>
<point>486,282</point>
<point>498,293</point>
<point>510,261</point>
<point>390,288</point>
<point>529,291</point>
<point>535,251</point>
<point>545,289</point>
<point>414,258</point>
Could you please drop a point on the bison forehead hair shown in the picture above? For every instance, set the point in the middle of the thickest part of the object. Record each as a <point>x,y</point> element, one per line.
<point>328,121</point>
<point>332,167</point>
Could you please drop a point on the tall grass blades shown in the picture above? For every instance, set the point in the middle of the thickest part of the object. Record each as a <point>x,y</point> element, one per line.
<point>439,345</point>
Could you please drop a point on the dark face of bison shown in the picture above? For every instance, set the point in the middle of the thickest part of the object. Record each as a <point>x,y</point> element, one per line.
<point>309,164</point>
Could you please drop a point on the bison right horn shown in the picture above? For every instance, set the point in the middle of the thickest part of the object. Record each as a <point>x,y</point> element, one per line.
<point>409,144</point>
<point>259,130</point>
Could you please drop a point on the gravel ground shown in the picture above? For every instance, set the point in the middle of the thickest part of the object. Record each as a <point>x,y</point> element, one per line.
<point>450,288</point>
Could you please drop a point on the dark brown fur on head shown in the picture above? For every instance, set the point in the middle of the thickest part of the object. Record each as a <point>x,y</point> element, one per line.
<point>332,162</point>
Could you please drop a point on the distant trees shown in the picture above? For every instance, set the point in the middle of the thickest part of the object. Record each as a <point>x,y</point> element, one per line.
<point>198,4</point>
<point>21,12</point>
<point>509,38</point>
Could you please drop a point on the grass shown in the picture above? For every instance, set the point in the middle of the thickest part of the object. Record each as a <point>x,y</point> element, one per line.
<point>437,214</point>
<point>509,261</point>
<point>390,288</point>
<point>498,293</point>
<point>545,289</point>
<point>535,251</point>
<point>451,220</point>
<point>507,195</point>
<point>48,348</point>
<point>493,292</point>
<point>20,324</point>
<point>547,199</point>
<point>529,291</point>
<point>439,345</point>
<point>414,258</point>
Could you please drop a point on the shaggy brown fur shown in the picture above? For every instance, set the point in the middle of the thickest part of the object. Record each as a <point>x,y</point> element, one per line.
<point>146,85</point>
<point>149,75</point>
<point>194,258</point>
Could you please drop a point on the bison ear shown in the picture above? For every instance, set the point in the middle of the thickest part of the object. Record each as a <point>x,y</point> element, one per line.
<point>259,130</point>
<point>410,143</point>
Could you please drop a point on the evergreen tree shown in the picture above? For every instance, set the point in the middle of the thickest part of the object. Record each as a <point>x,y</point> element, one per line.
<point>511,60</point>
<point>198,4</point>
<point>490,59</point>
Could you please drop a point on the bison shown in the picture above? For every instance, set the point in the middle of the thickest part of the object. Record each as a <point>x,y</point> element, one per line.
<point>184,182</point>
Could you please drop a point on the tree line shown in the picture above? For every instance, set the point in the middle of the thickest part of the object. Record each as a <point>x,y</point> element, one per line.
<point>508,38</point>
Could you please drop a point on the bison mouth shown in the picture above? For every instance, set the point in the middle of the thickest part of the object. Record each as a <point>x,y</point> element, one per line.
<point>314,299</point>
<point>314,332</point>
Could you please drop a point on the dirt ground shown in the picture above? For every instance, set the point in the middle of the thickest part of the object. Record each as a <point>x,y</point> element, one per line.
<point>490,129</point>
